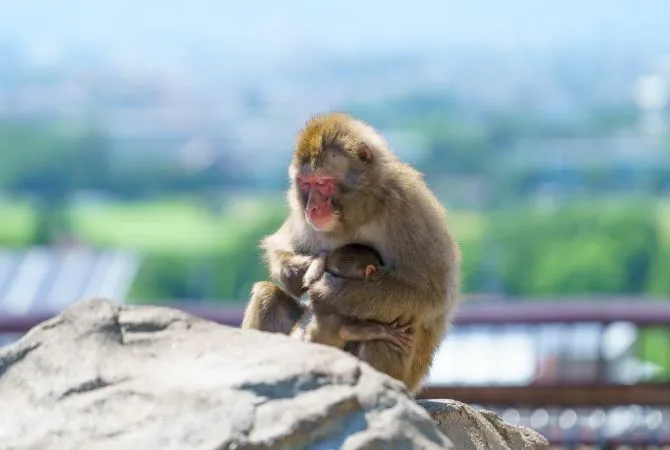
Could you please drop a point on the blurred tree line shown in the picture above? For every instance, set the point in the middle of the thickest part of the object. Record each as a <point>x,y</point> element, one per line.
<point>54,160</point>
<point>48,163</point>
<point>609,246</point>
<point>572,250</point>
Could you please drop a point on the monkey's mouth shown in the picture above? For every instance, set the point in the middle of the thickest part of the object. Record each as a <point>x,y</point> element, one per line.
<point>324,215</point>
<point>323,224</point>
<point>323,221</point>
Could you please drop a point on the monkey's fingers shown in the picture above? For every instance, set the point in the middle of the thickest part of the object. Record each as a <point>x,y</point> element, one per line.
<point>401,342</point>
<point>291,278</point>
<point>313,273</point>
<point>408,340</point>
<point>307,282</point>
<point>406,329</point>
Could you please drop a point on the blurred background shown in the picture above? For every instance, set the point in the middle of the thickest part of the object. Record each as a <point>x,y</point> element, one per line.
<point>144,150</point>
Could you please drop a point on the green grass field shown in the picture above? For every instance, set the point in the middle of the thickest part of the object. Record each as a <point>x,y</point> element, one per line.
<point>16,222</point>
<point>182,225</point>
<point>664,217</point>
<point>173,226</point>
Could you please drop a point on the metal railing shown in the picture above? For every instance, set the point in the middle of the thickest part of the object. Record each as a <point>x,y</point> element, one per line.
<point>601,375</point>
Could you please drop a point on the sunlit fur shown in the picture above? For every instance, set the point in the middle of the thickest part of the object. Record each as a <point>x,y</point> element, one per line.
<point>383,203</point>
<point>341,143</point>
<point>353,262</point>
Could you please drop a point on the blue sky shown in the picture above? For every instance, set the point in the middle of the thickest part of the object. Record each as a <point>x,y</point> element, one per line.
<point>267,24</point>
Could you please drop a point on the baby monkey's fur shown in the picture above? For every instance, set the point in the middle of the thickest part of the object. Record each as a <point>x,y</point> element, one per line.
<point>356,262</point>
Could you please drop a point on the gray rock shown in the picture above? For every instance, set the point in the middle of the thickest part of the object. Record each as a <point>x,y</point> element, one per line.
<point>471,429</point>
<point>105,376</point>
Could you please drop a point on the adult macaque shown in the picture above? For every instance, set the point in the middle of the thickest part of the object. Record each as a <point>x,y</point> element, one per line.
<point>348,187</point>
<point>356,262</point>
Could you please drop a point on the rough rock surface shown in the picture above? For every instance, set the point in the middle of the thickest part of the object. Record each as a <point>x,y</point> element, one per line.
<point>105,376</point>
<point>470,428</point>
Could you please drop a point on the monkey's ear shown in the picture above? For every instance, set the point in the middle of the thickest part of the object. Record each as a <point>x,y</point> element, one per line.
<point>369,271</point>
<point>365,154</point>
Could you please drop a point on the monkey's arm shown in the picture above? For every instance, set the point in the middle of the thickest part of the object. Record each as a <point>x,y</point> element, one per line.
<point>384,299</point>
<point>315,271</point>
<point>286,265</point>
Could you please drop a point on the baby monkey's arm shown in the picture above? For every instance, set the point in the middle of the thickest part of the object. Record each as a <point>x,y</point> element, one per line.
<point>398,335</point>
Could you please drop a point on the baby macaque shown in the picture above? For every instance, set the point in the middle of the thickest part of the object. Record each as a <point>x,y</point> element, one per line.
<point>356,262</point>
<point>353,261</point>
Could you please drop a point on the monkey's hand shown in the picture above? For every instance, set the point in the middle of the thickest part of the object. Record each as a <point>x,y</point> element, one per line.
<point>286,266</point>
<point>315,271</point>
<point>292,273</point>
<point>400,336</point>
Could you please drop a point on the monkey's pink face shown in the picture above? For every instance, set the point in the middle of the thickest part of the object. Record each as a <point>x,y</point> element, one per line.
<point>318,191</point>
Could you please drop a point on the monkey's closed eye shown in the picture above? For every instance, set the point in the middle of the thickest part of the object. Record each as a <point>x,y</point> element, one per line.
<point>303,186</point>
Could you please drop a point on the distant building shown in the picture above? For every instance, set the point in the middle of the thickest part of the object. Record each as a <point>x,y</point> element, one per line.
<point>582,153</point>
<point>565,164</point>
<point>49,279</point>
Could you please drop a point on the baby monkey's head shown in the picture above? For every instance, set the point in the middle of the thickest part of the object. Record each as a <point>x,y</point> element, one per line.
<point>354,261</point>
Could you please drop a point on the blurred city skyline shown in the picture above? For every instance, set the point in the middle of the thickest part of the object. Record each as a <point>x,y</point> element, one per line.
<point>244,77</point>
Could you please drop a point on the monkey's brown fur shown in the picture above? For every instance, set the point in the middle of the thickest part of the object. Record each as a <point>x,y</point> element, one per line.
<point>381,202</point>
<point>352,261</point>
<point>356,262</point>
